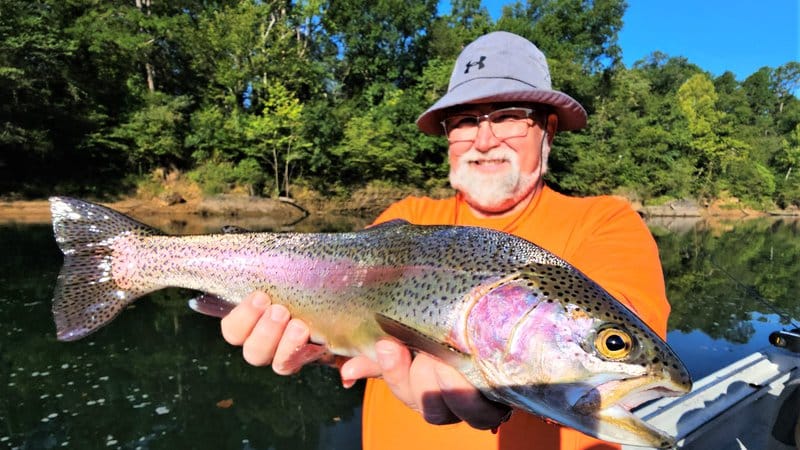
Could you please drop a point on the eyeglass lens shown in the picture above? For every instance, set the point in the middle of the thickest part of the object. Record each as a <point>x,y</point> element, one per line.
<point>504,123</point>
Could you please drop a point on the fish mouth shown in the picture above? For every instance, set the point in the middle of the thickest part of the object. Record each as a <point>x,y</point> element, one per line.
<point>611,404</point>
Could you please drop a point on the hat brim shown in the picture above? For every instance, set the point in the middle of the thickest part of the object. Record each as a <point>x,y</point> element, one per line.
<point>571,115</point>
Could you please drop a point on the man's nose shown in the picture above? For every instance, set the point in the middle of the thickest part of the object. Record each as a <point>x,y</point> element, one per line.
<point>485,140</point>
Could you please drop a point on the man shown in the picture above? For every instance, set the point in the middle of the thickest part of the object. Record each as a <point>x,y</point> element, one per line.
<point>500,116</point>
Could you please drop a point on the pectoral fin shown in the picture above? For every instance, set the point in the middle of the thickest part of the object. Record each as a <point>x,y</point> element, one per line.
<point>211,305</point>
<point>422,342</point>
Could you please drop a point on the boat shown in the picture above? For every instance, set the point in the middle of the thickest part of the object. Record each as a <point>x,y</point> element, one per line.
<point>753,403</point>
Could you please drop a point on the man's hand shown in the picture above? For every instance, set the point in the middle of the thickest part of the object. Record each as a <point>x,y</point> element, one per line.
<point>434,389</point>
<point>267,334</point>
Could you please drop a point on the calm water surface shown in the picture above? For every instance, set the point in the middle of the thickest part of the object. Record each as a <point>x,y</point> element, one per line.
<point>161,376</point>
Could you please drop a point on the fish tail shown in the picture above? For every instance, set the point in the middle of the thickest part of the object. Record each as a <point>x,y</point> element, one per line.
<point>87,296</point>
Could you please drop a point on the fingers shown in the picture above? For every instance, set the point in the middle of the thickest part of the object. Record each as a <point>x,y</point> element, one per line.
<point>260,346</point>
<point>287,359</point>
<point>356,368</point>
<point>238,324</point>
<point>268,336</point>
<point>466,402</point>
<point>429,393</point>
<point>395,363</point>
<point>436,390</point>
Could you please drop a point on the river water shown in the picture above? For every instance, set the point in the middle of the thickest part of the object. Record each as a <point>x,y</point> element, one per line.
<point>161,377</point>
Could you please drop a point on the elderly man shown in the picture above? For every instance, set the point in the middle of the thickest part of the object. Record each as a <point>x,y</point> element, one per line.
<point>500,116</point>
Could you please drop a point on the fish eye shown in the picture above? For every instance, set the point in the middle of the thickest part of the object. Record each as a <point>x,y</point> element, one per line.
<point>613,343</point>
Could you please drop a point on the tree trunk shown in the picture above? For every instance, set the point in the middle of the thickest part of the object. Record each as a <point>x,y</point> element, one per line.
<point>286,173</point>
<point>151,82</point>
<point>150,73</point>
<point>276,167</point>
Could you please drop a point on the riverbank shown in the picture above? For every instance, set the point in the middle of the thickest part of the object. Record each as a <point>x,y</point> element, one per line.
<point>364,205</point>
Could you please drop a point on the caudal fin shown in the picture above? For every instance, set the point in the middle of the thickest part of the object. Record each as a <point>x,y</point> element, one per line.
<point>86,295</point>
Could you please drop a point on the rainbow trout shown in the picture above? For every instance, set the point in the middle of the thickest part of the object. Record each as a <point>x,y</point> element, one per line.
<point>522,325</point>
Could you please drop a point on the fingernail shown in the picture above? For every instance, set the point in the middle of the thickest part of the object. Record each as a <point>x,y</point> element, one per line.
<point>278,314</point>
<point>347,384</point>
<point>260,302</point>
<point>347,374</point>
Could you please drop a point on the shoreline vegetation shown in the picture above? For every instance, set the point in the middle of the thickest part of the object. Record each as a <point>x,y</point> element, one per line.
<point>308,206</point>
<point>113,102</point>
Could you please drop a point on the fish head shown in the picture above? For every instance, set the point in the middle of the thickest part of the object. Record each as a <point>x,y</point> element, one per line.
<point>568,351</point>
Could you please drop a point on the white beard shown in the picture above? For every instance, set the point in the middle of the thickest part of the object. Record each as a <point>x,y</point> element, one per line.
<point>494,192</point>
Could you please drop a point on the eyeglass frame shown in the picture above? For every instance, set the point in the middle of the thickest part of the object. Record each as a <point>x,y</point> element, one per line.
<point>529,114</point>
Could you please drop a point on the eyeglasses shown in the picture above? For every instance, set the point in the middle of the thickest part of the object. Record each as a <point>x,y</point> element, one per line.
<point>505,123</point>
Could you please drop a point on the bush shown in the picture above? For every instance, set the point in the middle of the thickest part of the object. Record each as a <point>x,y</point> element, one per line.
<point>214,178</point>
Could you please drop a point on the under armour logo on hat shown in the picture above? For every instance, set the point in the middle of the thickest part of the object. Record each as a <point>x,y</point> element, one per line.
<point>479,63</point>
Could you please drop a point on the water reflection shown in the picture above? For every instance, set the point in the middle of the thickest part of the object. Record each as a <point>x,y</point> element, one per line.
<point>729,286</point>
<point>161,376</point>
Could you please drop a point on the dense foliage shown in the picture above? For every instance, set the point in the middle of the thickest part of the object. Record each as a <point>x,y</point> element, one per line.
<point>270,94</point>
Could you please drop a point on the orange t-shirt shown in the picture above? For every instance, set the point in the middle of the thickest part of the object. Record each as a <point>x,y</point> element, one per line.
<point>601,236</point>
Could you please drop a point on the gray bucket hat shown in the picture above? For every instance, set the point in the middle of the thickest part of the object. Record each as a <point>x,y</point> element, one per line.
<point>502,67</point>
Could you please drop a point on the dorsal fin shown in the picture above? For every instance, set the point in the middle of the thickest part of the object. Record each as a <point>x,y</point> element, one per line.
<point>390,224</point>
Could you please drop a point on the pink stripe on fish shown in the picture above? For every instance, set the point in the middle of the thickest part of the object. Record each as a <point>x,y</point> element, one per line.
<point>316,273</point>
<point>135,259</point>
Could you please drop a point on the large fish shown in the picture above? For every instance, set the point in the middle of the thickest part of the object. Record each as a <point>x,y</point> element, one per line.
<point>521,324</point>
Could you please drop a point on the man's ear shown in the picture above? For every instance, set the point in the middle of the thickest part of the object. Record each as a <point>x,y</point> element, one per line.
<point>552,127</point>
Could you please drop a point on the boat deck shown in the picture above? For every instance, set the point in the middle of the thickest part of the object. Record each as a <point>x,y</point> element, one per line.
<point>751,404</point>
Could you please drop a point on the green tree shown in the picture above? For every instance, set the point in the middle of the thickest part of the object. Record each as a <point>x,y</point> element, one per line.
<point>242,48</point>
<point>153,135</point>
<point>666,74</point>
<point>45,110</point>
<point>732,100</point>
<point>714,148</point>
<point>448,34</point>
<point>260,60</point>
<point>633,145</point>
<point>786,162</point>
<point>579,38</point>
<point>763,101</point>
<point>273,136</point>
<point>379,41</point>
<point>371,148</point>
<point>785,83</point>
